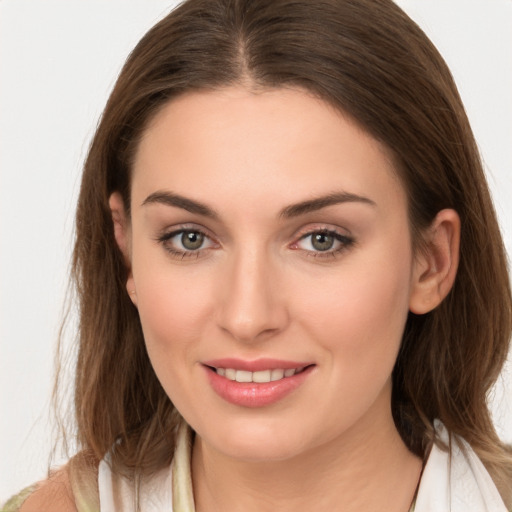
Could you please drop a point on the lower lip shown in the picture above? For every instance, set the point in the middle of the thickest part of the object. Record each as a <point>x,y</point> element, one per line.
<point>252,394</point>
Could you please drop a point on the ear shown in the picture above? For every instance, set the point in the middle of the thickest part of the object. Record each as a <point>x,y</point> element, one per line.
<point>122,233</point>
<point>435,265</point>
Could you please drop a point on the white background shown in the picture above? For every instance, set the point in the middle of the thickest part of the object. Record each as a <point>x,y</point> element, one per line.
<point>58,61</point>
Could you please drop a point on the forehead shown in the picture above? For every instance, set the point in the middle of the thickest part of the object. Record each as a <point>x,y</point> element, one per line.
<point>272,147</point>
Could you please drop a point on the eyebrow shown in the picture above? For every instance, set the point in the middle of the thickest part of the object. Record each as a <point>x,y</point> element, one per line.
<point>294,210</point>
<point>318,203</point>
<point>171,199</point>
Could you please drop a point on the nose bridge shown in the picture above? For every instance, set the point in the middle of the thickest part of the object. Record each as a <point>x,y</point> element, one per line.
<point>252,305</point>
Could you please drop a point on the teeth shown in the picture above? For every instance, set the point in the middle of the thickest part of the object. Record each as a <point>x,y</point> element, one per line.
<point>258,377</point>
<point>263,376</point>
<point>276,375</point>
<point>243,376</point>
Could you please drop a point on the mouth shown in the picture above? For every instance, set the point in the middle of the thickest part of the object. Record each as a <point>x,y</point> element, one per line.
<point>256,384</point>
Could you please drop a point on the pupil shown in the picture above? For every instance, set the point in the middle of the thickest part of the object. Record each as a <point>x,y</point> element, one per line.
<point>192,240</point>
<point>322,241</point>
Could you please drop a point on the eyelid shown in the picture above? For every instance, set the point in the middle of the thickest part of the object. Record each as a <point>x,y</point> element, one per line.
<point>169,233</point>
<point>344,238</point>
<point>321,227</point>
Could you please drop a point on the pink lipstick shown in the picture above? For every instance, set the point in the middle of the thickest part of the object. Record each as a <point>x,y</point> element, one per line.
<point>255,383</point>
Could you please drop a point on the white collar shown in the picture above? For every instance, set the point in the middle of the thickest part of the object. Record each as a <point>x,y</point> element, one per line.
<point>456,481</point>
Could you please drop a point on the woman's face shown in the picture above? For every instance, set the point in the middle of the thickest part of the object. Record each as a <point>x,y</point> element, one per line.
<point>269,244</point>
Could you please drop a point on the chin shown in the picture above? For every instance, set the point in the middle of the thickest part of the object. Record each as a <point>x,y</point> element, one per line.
<point>260,450</point>
<point>253,441</point>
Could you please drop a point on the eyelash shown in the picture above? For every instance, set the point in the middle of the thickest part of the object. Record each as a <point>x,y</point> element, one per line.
<point>186,253</point>
<point>345,242</point>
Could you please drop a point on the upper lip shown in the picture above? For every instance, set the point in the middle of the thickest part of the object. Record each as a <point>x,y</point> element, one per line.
<point>255,365</point>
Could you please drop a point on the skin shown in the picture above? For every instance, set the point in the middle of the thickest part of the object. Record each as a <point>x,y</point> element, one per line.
<point>257,288</point>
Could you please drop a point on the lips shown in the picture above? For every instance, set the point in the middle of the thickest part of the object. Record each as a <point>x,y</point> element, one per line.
<point>256,383</point>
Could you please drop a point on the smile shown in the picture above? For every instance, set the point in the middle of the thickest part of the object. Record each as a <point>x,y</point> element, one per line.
<point>256,383</point>
<point>259,377</point>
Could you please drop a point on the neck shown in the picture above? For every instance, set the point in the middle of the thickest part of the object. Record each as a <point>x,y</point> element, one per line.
<point>367,469</point>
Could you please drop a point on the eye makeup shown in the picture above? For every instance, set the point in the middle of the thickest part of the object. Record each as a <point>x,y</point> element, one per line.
<point>189,241</point>
<point>186,241</point>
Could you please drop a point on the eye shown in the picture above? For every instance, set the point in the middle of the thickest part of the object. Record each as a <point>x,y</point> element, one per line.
<point>191,240</point>
<point>185,242</point>
<point>323,241</point>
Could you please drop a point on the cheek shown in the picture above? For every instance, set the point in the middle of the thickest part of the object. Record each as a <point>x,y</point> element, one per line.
<point>359,314</point>
<point>173,306</point>
<point>172,311</point>
<point>165,310</point>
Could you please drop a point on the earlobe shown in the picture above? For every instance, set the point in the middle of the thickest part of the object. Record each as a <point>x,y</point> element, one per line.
<point>435,265</point>
<point>122,235</point>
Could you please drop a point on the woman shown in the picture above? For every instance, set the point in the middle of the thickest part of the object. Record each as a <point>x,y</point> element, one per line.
<point>293,288</point>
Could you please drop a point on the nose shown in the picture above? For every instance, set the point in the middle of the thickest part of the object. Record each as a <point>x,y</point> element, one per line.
<point>252,305</point>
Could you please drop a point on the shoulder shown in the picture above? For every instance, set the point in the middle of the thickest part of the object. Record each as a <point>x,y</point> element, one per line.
<point>52,494</point>
<point>72,488</point>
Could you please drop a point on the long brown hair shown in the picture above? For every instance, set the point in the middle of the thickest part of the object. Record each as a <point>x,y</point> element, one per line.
<point>368,59</point>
